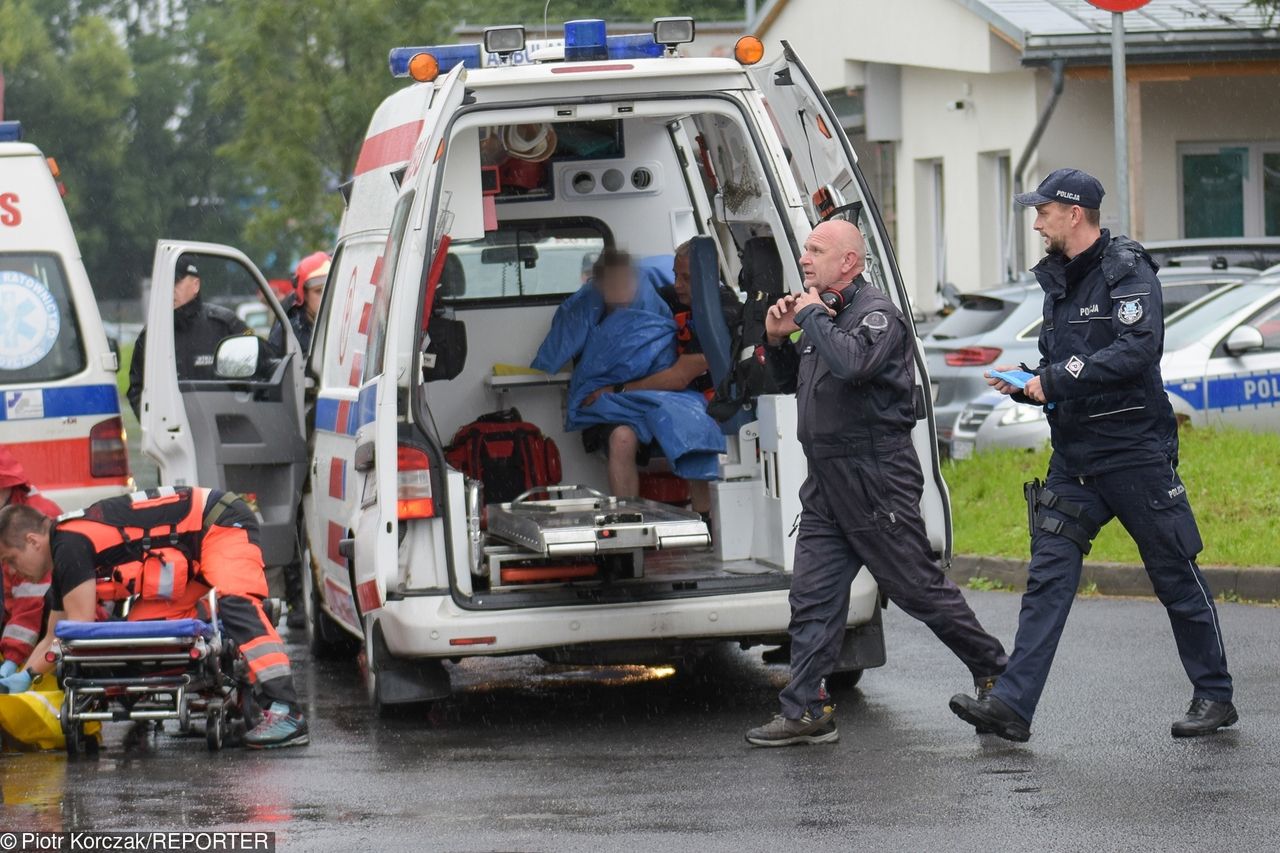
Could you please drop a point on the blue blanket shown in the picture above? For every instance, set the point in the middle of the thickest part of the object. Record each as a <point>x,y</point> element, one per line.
<point>630,344</point>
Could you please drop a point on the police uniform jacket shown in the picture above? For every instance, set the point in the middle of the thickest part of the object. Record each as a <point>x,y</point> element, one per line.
<point>197,330</point>
<point>853,374</point>
<point>1100,347</point>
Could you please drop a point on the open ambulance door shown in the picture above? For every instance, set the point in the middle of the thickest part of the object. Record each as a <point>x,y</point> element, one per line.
<point>400,477</point>
<point>826,171</point>
<point>240,434</point>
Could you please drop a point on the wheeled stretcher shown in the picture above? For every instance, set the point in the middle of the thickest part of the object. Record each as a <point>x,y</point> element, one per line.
<point>151,670</point>
<point>571,530</point>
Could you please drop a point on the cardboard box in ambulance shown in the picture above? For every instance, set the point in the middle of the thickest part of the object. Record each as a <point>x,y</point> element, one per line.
<point>61,415</point>
<point>620,145</point>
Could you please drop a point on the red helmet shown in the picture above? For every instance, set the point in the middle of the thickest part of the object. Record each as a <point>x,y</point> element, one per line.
<point>315,265</point>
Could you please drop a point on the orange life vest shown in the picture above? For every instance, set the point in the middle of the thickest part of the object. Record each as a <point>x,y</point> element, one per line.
<point>147,543</point>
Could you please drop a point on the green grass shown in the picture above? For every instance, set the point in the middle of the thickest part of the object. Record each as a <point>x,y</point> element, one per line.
<point>1232,478</point>
<point>989,585</point>
<point>122,371</point>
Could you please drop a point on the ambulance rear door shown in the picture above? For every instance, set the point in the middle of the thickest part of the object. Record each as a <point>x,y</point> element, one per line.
<point>401,473</point>
<point>243,430</point>
<point>825,167</point>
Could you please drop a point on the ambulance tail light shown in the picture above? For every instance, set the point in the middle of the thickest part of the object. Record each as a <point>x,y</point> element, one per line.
<point>446,56</point>
<point>108,453</point>
<point>10,131</point>
<point>971,356</point>
<point>413,483</point>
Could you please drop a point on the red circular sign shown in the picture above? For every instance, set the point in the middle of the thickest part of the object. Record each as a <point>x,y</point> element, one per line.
<point>1119,5</point>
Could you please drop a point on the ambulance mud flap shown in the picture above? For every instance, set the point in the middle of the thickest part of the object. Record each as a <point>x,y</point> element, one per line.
<point>397,681</point>
<point>863,646</point>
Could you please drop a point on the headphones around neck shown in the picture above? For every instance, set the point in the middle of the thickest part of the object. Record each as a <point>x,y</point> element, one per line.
<point>833,297</point>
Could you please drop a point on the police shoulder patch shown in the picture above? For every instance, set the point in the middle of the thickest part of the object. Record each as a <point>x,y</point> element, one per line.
<point>1074,365</point>
<point>876,320</point>
<point>1129,311</point>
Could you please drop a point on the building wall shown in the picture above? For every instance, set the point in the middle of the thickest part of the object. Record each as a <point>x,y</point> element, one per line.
<point>999,113</point>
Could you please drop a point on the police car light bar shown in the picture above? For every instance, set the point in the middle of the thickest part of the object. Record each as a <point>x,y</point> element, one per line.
<point>670,32</point>
<point>10,131</point>
<point>503,41</point>
<point>448,56</point>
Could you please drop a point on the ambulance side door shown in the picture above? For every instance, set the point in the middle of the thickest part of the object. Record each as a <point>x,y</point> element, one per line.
<point>239,426</point>
<point>825,168</point>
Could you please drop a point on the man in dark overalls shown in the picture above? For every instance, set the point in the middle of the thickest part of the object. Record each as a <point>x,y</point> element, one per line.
<point>853,372</point>
<point>1115,455</point>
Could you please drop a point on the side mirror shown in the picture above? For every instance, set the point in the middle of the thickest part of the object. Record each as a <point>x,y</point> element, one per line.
<point>1243,339</point>
<point>237,357</point>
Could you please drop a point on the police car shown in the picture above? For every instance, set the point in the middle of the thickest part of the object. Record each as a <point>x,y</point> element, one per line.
<point>479,189</point>
<point>61,414</point>
<point>1221,367</point>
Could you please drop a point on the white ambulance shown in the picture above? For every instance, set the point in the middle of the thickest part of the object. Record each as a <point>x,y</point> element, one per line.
<point>623,143</point>
<point>61,415</point>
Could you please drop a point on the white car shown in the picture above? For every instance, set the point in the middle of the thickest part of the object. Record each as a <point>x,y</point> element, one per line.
<point>623,144</point>
<point>1221,367</point>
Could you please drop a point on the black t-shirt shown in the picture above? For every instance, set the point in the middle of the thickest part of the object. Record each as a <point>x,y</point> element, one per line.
<point>687,342</point>
<point>73,564</point>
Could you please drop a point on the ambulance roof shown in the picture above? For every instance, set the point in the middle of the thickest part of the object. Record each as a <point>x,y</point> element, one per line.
<point>19,149</point>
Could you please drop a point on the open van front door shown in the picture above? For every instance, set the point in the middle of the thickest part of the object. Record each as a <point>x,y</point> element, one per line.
<point>825,168</point>
<point>204,425</point>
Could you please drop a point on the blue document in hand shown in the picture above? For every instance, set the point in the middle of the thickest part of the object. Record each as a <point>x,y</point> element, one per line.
<point>1016,378</point>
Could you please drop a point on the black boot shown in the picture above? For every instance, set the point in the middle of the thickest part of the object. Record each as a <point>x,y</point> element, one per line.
<point>296,619</point>
<point>991,715</point>
<point>983,685</point>
<point>1205,717</point>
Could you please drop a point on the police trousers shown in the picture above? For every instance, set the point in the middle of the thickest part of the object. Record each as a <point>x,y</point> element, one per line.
<point>1151,503</point>
<point>864,510</point>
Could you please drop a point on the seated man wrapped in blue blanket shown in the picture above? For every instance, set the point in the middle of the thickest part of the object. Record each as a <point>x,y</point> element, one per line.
<point>620,331</point>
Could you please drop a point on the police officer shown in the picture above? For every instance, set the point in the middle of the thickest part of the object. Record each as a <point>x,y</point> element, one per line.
<point>197,330</point>
<point>853,372</point>
<point>1115,455</point>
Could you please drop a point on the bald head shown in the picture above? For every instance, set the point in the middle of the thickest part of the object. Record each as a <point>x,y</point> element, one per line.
<point>834,254</point>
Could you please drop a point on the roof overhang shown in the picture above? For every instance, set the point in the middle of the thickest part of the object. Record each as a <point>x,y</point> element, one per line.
<point>1190,46</point>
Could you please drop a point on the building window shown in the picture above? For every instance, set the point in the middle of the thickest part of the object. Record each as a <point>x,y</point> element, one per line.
<point>1230,190</point>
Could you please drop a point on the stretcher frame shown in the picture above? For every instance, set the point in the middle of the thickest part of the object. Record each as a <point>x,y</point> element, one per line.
<point>155,677</point>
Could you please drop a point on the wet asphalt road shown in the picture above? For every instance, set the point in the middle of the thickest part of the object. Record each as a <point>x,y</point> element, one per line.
<point>532,757</point>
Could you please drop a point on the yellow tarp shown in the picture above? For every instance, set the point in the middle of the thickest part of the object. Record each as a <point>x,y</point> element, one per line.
<point>32,718</point>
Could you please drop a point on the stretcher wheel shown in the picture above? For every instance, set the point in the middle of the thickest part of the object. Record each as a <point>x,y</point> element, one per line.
<point>215,726</point>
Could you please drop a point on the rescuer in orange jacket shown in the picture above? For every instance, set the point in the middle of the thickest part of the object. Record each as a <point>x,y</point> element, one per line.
<point>165,548</point>
<point>23,599</point>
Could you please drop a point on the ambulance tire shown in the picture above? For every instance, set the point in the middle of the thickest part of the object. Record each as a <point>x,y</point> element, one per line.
<point>839,682</point>
<point>325,637</point>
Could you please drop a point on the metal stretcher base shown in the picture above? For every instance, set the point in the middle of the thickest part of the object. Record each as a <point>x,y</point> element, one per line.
<point>584,522</point>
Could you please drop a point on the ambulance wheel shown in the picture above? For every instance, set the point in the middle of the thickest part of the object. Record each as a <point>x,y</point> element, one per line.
<point>325,637</point>
<point>838,682</point>
<point>215,726</point>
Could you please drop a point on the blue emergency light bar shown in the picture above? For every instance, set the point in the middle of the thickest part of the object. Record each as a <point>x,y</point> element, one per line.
<point>10,131</point>
<point>584,41</point>
<point>448,57</point>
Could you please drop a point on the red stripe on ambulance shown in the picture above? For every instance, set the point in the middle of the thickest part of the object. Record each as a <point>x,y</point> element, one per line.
<point>390,146</point>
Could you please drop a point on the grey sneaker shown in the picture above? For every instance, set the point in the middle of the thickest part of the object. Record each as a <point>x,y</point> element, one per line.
<point>279,728</point>
<point>783,732</point>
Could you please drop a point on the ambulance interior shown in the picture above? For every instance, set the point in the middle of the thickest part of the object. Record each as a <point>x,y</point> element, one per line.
<point>528,199</point>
